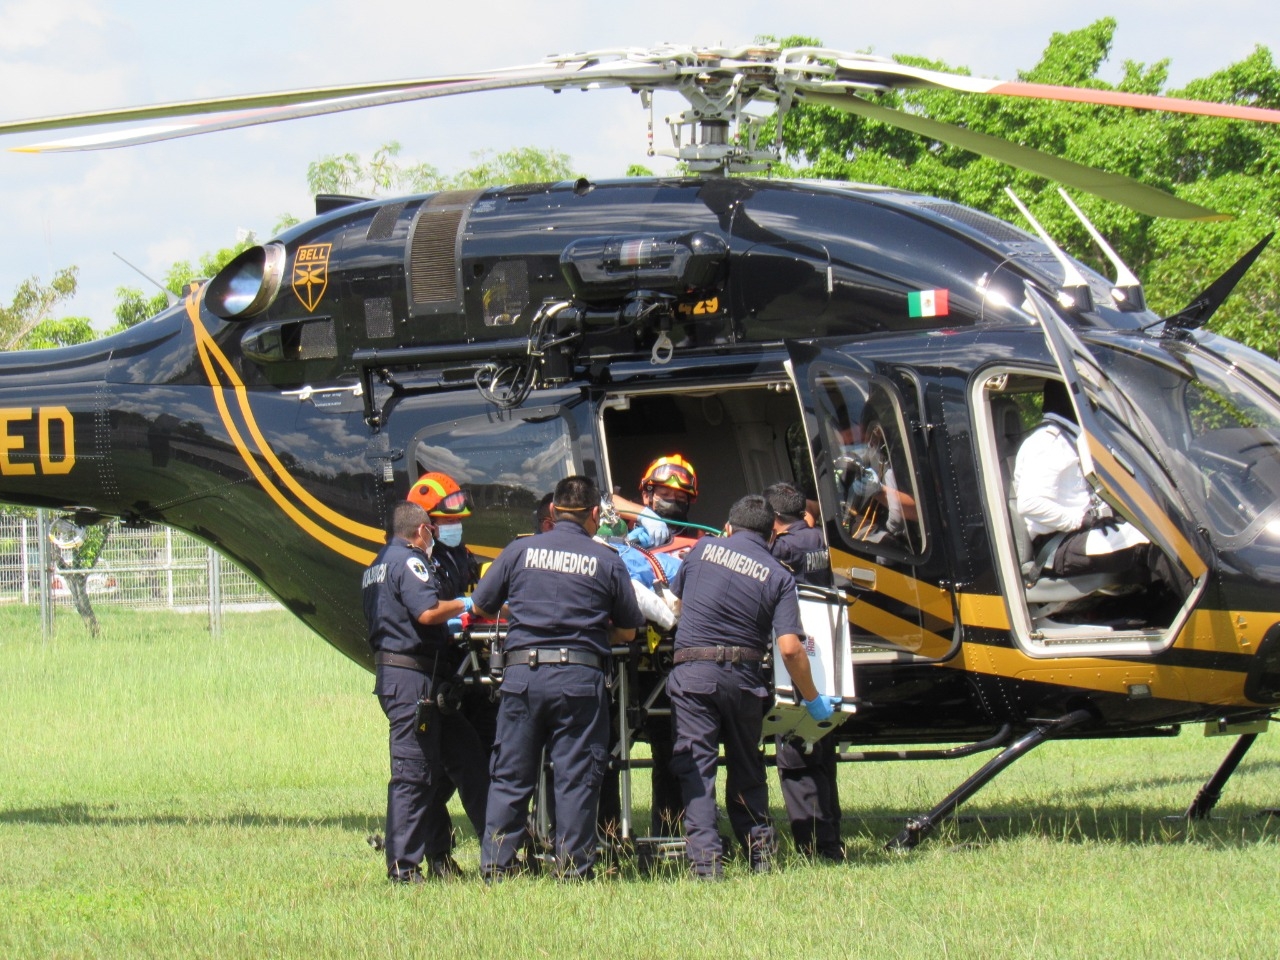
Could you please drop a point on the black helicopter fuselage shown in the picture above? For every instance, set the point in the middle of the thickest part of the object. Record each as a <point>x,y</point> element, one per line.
<point>282,432</point>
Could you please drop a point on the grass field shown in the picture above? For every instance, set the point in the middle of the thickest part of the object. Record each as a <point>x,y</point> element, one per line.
<point>165,794</point>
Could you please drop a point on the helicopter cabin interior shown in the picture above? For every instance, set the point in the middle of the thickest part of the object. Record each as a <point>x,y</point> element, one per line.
<point>739,440</point>
<point>1050,614</point>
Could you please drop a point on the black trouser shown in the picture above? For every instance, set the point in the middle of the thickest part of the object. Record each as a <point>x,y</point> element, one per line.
<point>565,708</point>
<point>1145,564</point>
<point>713,702</point>
<point>425,766</point>
<point>812,797</point>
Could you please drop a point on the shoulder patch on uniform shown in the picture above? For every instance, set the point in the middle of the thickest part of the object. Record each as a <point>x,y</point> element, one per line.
<point>418,568</point>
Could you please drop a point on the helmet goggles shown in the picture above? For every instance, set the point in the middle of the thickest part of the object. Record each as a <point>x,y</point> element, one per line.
<point>675,473</point>
<point>454,504</point>
<point>440,496</point>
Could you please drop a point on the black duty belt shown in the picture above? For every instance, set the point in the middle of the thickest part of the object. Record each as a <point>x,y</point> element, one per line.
<point>719,654</point>
<point>541,656</point>
<point>407,660</point>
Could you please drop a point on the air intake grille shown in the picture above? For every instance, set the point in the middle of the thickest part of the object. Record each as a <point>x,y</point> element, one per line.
<point>378,323</point>
<point>384,222</point>
<point>317,341</point>
<point>994,228</point>
<point>435,285</point>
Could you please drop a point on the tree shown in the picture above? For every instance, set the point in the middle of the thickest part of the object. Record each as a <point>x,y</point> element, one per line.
<point>1226,165</point>
<point>32,304</point>
<point>59,332</point>
<point>347,173</point>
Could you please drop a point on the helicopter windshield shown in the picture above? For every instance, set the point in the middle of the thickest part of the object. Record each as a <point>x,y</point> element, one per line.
<point>1216,434</point>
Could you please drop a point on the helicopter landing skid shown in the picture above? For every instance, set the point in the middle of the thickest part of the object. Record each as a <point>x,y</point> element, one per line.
<point>918,828</point>
<point>1211,792</point>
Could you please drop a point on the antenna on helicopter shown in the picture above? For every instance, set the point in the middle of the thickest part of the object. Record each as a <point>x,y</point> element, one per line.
<point>1127,292</point>
<point>169,296</point>
<point>1197,313</point>
<point>1074,294</point>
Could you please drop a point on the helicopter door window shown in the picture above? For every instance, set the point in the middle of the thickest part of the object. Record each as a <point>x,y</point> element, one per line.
<point>863,436</point>
<point>504,465</point>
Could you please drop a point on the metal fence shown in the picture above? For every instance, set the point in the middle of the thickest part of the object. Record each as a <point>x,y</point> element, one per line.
<point>150,568</point>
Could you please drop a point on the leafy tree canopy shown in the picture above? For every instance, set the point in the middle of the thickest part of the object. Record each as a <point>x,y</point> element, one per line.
<point>382,174</point>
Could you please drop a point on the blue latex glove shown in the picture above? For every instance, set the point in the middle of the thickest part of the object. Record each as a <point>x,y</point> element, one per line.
<point>454,625</point>
<point>821,707</point>
<point>467,604</point>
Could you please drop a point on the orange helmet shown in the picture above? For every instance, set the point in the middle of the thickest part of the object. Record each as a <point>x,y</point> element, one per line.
<point>673,471</point>
<point>439,495</point>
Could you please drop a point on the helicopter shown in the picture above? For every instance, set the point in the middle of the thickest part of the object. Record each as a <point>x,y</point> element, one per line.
<point>880,348</point>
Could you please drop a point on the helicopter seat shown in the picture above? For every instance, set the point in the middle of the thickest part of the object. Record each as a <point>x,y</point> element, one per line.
<point>1046,594</point>
<point>1044,588</point>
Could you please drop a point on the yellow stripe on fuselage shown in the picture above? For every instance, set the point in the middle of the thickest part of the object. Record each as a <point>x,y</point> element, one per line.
<point>208,352</point>
<point>1190,684</point>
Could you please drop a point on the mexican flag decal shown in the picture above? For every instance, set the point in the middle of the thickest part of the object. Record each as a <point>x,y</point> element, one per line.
<point>927,303</point>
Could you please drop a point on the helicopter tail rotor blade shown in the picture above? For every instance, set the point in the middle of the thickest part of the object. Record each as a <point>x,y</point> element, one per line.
<point>1118,189</point>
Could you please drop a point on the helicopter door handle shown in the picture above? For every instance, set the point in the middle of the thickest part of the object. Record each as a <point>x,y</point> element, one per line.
<point>860,577</point>
<point>315,394</point>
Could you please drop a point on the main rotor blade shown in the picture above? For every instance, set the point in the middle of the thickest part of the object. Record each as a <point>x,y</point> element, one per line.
<point>190,108</point>
<point>291,105</point>
<point>1118,189</point>
<point>874,71</point>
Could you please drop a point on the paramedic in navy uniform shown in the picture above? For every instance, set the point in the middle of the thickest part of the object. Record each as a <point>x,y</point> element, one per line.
<point>808,779</point>
<point>407,634</point>
<point>568,599</point>
<point>733,596</point>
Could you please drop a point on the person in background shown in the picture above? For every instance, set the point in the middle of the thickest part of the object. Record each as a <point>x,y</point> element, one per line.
<point>668,487</point>
<point>1072,530</point>
<point>809,787</point>
<point>542,519</point>
<point>446,503</point>
<point>431,751</point>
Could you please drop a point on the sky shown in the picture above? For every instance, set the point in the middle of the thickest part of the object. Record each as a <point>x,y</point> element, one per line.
<point>155,204</point>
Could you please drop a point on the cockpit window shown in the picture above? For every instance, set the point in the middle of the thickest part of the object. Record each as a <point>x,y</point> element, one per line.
<point>1220,436</point>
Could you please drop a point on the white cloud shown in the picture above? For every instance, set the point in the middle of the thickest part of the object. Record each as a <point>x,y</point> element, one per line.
<point>39,24</point>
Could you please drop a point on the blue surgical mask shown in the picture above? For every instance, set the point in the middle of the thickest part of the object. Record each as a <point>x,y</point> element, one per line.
<point>450,534</point>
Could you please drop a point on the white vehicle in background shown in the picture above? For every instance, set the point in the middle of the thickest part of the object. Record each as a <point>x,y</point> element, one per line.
<point>96,584</point>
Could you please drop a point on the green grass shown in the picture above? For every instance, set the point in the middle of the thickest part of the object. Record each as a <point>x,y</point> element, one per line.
<point>164,794</point>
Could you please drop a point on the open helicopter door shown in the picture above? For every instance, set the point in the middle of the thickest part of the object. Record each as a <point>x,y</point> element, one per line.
<point>860,433</point>
<point>1110,442</point>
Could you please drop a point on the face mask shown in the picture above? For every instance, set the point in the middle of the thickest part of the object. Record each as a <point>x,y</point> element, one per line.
<point>450,534</point>
<point>669,509</point>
